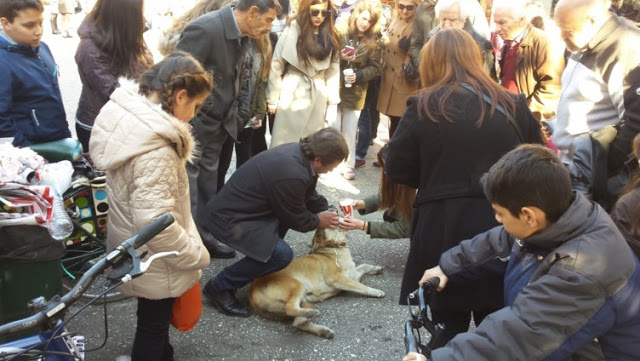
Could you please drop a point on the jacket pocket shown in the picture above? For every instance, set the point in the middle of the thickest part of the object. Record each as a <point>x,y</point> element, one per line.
<point>34,118</point>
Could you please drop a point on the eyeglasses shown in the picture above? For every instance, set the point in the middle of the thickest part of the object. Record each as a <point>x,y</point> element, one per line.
<point>324,13</point>
<point>408,7</point>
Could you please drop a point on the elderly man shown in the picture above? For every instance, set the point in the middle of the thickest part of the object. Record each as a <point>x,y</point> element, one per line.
<point>271,193</point>
<point>219,40</point>
<point>458,14</point>
<point>426,19</point>
<point>529,63</point>
<point>600,105</point>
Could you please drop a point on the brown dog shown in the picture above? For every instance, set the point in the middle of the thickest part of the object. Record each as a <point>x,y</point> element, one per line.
<point>326,271</point>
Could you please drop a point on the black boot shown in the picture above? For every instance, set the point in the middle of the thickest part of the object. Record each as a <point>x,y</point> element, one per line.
<point>54,25</point>
<point>226,301</point>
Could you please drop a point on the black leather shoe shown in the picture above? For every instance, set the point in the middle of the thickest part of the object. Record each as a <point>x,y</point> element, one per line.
<point>221,251</point>
<point>226,302</point>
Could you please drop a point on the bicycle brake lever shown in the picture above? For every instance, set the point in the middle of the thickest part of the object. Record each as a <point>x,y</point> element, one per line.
<point>145,265</point>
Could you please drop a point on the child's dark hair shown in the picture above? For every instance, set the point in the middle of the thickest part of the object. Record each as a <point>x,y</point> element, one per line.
<point>175,72</point>
<point>9,9</point>
<point>530,176</point>
<point>328,144</point>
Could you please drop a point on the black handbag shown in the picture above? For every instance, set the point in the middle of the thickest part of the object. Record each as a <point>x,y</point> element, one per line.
<point>410,72</point>
<point>78,8</point>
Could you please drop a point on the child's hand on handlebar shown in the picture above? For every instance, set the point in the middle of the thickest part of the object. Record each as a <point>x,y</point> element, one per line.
<point>414,356</point>
<point>435,272</point>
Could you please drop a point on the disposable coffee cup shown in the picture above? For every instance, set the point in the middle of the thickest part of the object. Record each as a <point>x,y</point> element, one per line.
<point>346,72</point>
<point>347,207</point>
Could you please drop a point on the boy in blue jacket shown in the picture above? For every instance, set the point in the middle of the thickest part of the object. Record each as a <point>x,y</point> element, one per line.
<point>31,109</point>
<point>572,285</point>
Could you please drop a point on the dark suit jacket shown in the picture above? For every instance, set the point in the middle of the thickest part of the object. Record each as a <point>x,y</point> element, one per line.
<point>216,41</point>
<point>271,193</point>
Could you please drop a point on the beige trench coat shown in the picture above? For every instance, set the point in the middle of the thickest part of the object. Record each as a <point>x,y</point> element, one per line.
<point>394,88</point>
<point>301,92</point>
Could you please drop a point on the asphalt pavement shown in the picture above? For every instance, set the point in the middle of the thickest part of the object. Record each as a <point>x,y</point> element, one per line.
<point>365,328</point>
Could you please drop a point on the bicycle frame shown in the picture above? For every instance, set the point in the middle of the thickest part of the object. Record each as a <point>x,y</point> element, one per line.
<point>420,319</point>
<point>54,343</point>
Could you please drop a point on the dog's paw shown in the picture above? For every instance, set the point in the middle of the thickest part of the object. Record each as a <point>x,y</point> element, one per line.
<point>377,270</point>
<point>377,293</point>
<point>325,332</point>
<point>311,313</point>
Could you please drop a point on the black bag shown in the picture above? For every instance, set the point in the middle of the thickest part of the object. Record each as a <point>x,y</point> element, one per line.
<point>78,8</point>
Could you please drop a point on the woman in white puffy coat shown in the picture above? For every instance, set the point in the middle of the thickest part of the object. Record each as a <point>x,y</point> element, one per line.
<point>142,139</point>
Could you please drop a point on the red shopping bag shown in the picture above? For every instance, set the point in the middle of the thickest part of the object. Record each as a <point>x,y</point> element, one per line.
<point>187,309</point>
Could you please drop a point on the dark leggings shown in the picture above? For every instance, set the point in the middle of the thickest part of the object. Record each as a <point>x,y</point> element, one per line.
<point>151,342</point>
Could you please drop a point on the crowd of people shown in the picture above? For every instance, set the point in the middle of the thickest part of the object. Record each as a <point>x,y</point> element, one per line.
<point>511,137</point>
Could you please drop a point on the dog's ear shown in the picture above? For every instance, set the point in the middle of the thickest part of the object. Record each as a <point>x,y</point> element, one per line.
<point>319,239</point>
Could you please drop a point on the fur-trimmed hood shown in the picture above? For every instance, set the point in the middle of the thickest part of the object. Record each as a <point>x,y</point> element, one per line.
<point>130,125</point>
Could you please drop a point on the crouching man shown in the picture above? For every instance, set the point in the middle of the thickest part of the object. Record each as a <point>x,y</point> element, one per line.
<point>572,282</point>
<point>271,193</point>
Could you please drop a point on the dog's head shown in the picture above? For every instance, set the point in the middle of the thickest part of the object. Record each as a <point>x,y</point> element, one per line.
<point>328,238</point>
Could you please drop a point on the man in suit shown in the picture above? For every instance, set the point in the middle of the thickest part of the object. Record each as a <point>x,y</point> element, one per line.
<point>219,40</point>
<point>271,193</point>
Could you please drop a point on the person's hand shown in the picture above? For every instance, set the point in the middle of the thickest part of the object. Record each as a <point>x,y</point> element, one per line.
<point>347,56</point>
<point>359,204</point>
<point>351,78</point>
<point>414,356</point>
<point>258,125</point>
<point>350,223</point>
<point>328,219</point>
<point>435,272</point>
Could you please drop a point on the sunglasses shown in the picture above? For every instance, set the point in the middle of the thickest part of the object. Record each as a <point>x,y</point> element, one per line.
<point>408,7</point>
<point>324,13</point>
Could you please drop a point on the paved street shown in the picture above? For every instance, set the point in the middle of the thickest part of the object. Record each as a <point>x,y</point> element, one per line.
<point>365,328</point>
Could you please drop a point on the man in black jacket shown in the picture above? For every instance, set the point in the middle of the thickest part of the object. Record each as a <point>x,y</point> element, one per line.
<point>219,40</point>
<point>270,194</point>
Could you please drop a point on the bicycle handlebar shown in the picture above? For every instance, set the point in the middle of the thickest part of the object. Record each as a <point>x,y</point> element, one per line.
<point>59,304</point>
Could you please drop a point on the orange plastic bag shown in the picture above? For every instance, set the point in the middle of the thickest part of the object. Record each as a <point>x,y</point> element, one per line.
<point>187,309</point>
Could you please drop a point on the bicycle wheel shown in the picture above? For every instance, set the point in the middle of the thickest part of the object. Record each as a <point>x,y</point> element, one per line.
<point>80,258</point>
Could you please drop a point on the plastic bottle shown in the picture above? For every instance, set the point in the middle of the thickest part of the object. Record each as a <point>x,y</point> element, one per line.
<point>60,225</point>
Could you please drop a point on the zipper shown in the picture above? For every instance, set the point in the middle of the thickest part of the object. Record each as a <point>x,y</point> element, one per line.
<point>34,117</point>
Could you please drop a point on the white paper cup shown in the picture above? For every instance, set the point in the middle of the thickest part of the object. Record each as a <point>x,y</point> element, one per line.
<point>347,207</point>
<point>346,72</point>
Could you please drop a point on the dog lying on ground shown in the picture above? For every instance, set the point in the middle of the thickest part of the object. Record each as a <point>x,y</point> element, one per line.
<point>326,271</point>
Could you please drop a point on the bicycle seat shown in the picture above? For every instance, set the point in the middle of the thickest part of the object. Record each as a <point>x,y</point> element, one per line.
<point>64,149</point>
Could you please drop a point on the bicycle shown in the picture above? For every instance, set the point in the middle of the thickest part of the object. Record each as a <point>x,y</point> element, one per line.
<point>54,342</point>
<point>421,319</point>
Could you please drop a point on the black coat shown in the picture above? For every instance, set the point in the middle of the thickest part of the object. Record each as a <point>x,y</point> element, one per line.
<point>216,41</point>
<point>445,161</point>
<point>271,193</point>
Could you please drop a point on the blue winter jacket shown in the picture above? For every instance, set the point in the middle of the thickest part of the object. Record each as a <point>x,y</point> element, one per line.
<point>31,108</point>
<point>572,292</point>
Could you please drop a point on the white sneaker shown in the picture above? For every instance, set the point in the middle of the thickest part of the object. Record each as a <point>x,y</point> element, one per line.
<point>123,358</point>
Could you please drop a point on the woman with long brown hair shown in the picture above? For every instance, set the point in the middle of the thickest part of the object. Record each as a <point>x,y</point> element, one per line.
<point>111,46</point>
<point>304,84</point>
<point>454,129</point>
<point>396,200</point>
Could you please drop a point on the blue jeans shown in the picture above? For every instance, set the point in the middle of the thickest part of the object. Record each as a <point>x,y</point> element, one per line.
<point>247,269</point>
<point>364,134</point>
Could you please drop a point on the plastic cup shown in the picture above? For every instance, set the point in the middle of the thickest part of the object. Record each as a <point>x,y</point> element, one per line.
<point>347,207</point>
<point>346,72</point>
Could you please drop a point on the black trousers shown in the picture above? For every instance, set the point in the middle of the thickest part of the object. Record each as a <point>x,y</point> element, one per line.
<point>151,342</point>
